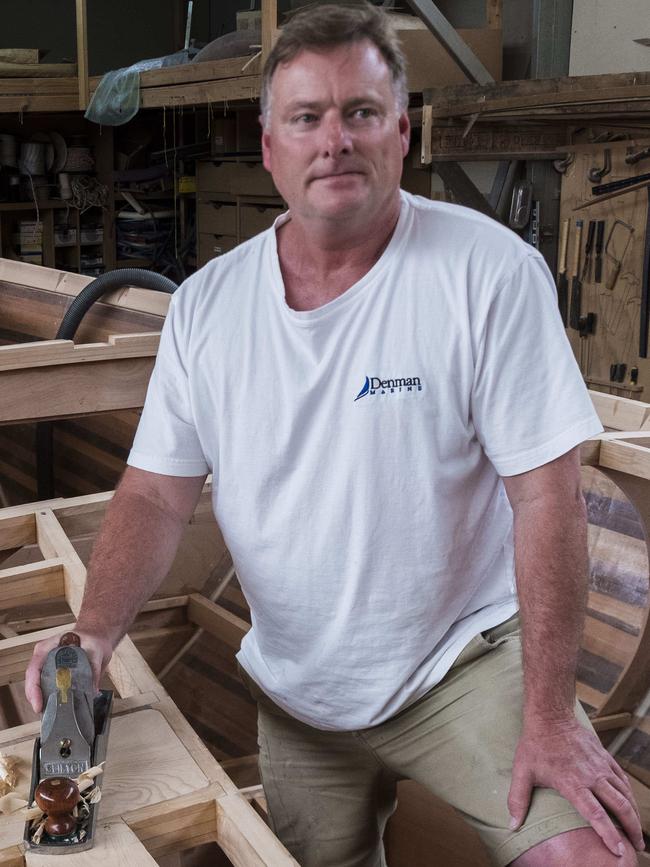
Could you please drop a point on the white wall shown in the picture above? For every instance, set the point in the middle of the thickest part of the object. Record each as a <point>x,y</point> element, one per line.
<point>603,35</point>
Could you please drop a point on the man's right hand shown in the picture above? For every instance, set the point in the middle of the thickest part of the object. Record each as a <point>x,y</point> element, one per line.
<point>98,649</point>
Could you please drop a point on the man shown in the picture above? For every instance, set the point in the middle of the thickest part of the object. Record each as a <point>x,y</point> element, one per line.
<point>370,382</point>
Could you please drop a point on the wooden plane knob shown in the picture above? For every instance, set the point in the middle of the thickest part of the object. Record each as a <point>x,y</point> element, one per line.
<point>69,639</point>
<point>57,798</point>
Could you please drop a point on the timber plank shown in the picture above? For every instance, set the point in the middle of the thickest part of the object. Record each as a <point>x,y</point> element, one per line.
<point>243,834</point>
<point>245,87</point>
<point>217,620</point>
<point>56,352</point>
<point>96,386</point>
<point>531,90</point>
<point>16,531</point>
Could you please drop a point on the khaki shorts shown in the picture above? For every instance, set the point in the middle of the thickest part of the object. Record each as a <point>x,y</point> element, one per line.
<point>331,793</point>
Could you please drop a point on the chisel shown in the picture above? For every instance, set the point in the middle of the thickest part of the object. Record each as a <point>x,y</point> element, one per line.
<point>562,280</point>
<point>589,246</point>
<point>598,267</point>
<point>576,285</point>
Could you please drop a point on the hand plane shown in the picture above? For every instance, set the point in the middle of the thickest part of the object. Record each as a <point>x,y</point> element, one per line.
<point>73,739</point>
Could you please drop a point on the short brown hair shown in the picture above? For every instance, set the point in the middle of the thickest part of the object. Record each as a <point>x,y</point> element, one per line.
<point>328,26</point>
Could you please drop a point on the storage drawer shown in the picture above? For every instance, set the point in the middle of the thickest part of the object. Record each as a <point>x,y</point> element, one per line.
<point>213,178</point>
<point>219,218</point>
<point>211,245</point>
<point>257,218</point>
<point>251,179</point>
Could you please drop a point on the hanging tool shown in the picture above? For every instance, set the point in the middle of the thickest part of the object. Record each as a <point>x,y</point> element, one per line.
<point>598,266</point>
<point>562,166</point>
<point>617,371</point>
<point>645,290</point>
<point>74,737</point>
<point>633,158</point>
<point>617,262</point>
<point>586,326</point>
<point>596,174</point>
<point>562,280</point>
<point>614,186</point>
<point>589,246</point>
<point>576,286</point>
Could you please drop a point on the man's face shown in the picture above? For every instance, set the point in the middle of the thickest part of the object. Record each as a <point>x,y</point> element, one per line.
<point>335,140</point>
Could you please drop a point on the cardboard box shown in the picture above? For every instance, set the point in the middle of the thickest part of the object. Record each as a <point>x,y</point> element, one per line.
<point>218,218</point>
<point>256,218</point>
<point>211,245</point>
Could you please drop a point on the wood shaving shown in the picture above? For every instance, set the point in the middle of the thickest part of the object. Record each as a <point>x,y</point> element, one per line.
<point>38,832</point>
<point>8,773</point>
<point>87,779</point>
<point>11,802</point>
<point>95,795</point>
<point>33,812</point>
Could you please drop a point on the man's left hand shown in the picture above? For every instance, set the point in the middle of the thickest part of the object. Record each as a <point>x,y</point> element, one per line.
<point>570,759</point>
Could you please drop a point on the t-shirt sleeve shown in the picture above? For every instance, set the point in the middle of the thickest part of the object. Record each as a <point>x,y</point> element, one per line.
<point>529,402</point>
<point>166,440</point>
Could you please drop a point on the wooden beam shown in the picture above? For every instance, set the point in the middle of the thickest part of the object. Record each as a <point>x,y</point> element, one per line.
<point>127,669</point>
<point>269,26</point>
<point>55,86</point>
<point>45,353</point>
<point>65,391</point>
<point>36,70</point>
<point>193,73</point>
<point>33,102</point>
<point>35,582</point>
<point>20,55</point>
<point>495,141</point>
<point>245,87</point>
<point>626,457</point>
<point>216,620</point>
<point>620,413</point>
<point>15,654</point>
<point>82,53</point>
<point>67,283</point>
<point>243,836</point>
<point>611,722</point>
<point>17,531</point>
<point>426,157</point>
<point>494,14</point>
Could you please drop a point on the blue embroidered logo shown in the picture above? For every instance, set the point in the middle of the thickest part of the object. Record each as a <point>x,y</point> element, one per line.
<point>376,385</point>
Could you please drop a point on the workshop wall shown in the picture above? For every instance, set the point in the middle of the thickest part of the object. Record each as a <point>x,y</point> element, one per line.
<point>604,37</point>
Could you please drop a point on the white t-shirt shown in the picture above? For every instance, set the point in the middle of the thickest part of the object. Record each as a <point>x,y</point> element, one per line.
<point>357,450</point>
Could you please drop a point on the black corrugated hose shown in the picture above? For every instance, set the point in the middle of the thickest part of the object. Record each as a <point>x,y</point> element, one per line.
<point>108,282</point>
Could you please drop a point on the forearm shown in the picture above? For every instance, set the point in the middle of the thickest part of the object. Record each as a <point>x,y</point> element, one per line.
<point>133,552</point>
<point>551,562</point>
